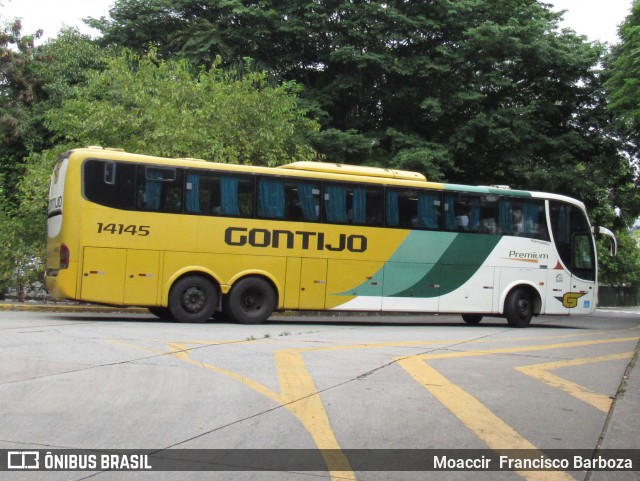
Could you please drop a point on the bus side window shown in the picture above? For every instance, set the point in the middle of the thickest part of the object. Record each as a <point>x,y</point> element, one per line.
<point>414,209</point>
<point>271,198</point>
<point>302,201</point>
<point>392,208</point>
<point>236,196</point>
<point>353,204</point>
<point>534,220</point>
<point>287,199</point>
<point>428,215</point>
<point>246,195</point>
<point>373,206</point>
<point>488,214</point>
<point>159,189</point>
<point>462,212</point>
<point>524,218</point>
<point>202,193</point>
<point>335,203</point>
<point>506,216</point>
<point>582,252</point>
<point>108,183</point>
<point>110,173</point>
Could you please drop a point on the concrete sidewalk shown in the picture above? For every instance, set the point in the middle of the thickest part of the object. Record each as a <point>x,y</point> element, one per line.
<point>622,429</point>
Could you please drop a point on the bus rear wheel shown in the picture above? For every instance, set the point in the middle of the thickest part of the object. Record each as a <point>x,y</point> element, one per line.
<point>252,300</point>
<point>193,299</point>
<point>518,308</point>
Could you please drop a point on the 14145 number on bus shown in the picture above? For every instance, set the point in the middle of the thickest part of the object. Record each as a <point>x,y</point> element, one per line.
<point>120,229</point>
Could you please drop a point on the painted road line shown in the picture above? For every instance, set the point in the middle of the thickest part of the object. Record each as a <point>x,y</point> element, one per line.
<point>490,428</point>
<point>299,395</point>
<point>597,400</point>
<point>497,434</point>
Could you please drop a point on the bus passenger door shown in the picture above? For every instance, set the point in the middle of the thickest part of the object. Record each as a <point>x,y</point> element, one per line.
<point>581,299</point>
<point>141,280</point>
<point>574,292</point>
<point>354,285</point>
<point>313,283</point>
<point>103,271</point>
<point>575,276</point>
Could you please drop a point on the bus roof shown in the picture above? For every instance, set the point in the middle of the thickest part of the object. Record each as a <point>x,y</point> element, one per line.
<point>355,170</point>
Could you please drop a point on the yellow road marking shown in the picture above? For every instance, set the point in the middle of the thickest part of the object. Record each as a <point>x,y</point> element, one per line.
<point>299,394</point>
<point>497,434</point>
<point>597,400</point>
<point>517,350</point>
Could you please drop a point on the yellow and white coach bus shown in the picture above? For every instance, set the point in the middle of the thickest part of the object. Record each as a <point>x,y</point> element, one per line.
<point>190,239</point>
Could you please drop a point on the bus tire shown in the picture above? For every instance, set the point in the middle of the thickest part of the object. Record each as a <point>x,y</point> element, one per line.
<point>161,312</point>
<point>518,308</point>
<point>472,319</point>
<point>252,300</point>
<point>193,299</point>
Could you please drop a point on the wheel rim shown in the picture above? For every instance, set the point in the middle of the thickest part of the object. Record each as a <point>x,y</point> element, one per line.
<point>194,300</point>
<point>252,300</point>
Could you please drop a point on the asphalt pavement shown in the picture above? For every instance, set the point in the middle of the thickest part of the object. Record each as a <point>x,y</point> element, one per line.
<point>623,423</point>
<point>621,430</point>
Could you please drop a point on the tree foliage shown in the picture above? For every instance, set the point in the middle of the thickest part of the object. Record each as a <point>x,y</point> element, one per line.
<point>621,270</point>
<point>20,133</point>
<point>473,91</point>
<point>70,92</point>
<point>624,79</point>
<point>160,107</point>
<point>20,91</point>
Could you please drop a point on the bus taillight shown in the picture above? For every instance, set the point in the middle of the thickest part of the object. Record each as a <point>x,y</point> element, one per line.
<point>64,256</point>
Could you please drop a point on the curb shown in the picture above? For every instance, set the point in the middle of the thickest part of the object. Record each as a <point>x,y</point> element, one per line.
<point>69,308</point>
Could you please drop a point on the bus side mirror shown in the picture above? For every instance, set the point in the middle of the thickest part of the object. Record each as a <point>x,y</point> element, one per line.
<point>604,231</point>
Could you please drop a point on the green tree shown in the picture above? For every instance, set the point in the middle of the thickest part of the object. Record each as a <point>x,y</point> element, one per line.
<point>34,80</point>
<point>155,107</point>
<point>622,83</point>
<point>70,92</point>
<point>20,131</point>
<point>473,91</point>
<point>20,90</point>
<point>160,107</point>
<point>623,269</point>
<point>624,77</point>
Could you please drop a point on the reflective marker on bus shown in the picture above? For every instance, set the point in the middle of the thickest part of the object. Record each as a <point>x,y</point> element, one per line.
<point>197,241</point>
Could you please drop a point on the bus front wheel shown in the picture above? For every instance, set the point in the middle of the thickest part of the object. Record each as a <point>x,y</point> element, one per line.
<point>193,299</point>
<point>251,301</point>
<point>518,308</point>
<point>472,319</point>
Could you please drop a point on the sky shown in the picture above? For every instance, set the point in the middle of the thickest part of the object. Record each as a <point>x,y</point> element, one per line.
<point>597,19</point>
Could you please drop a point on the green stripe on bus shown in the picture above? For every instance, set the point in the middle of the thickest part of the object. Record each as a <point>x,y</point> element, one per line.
<point>456,266</point>
<point>415,269</point>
